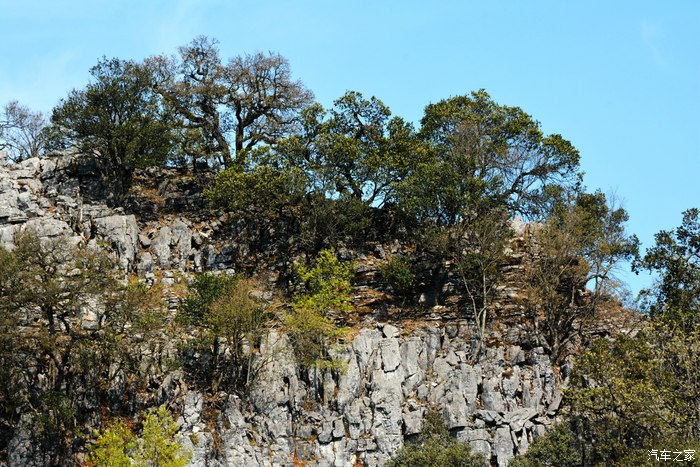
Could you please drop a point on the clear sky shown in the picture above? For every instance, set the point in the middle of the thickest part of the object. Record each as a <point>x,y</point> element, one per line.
<point>619,79</point>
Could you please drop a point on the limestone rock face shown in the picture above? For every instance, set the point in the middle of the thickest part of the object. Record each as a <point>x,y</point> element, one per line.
<point>365,412</point>
<point>361,413</point>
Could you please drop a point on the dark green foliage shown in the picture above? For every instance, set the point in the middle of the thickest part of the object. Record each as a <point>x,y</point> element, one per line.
<point>435,447</point>
<point>637,392</point>
<point>202,292</point>
<point>55,367</point>
<point>398,273</point>
<point>329,223</point>
<point>676,258</point>
<point>117,118</point>
<point>482,156</point>
<point>229,326</point>
<point>557,447</point>
<point>263,190</point>
<point>353,151</point>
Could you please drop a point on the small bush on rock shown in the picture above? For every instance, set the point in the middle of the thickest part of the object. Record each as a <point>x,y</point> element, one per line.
<point>312,320</point>
<point>435,447</point>
<point>156,444</point>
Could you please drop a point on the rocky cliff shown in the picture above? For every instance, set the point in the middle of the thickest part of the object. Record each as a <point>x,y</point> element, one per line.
<point>392,370</point>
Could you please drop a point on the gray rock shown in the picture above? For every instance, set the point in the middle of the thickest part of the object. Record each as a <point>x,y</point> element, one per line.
<point>555,403</point>
<point>325,434</point>
<point>390,331</point>
<point>412,420</point>
<point>517,418</point>
<point>145,263</point>
<point>391,356</point>
<point>160,247</point>
<point>144,240</point>
<point>491,417</point>
<point>455,410</point>
<point>182,242</point>
<point>122,233</point>
<point>349,382</point>
<point>492,399</point>
<point>503,446</point>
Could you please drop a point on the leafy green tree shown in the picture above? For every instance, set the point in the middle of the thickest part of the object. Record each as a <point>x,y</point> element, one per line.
<point>155,446</point>
<point>202,292</point>
<point>355,150</point>
<point>435,447</point>
<point>311,321</point>
<point>229,326</point>
<point>578,248</point>
<point>483,156</point>
<point>398,273</point>
<point>117,118</point>
<point>23,133</point>
<point>640,391</point>
<point>252,99</point>
<point>676,259</point>
<point>634,394</point>
<point>263,190</point>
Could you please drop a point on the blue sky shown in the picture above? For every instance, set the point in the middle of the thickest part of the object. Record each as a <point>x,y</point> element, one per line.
<point>620,80</point>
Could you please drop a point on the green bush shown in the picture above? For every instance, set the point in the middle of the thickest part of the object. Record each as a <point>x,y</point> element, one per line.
<point>556,447</point>
<point>435,447</point>
<point>398,273</point>
<point>155,445</point>
<point>229,325</point>
<point>202,292</point>
<point>311,322</point>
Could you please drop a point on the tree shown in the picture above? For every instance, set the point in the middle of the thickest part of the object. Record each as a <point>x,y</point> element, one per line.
<point>68,329</point>
<point>478,249</point>
<point>557,447</point>
<point>156,446</point>
<point>676,258</point>
<point>311,321</point>
<point>264,99</point>
<point>192,87</point>
<point>253,97</point>
<point>578,247</point>
<point>118,119</point>
<point>486,155</point>
<point>22,132</point>
<point>230,326</point>
<point>638,393</point>
<point>264,189</point>
<point>629,396</point>
<point>357,152</point>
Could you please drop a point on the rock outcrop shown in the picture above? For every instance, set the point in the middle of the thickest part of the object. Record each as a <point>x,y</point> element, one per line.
<point>360,414</point>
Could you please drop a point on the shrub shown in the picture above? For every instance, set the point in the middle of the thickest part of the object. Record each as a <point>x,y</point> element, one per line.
<point>230,325</point>
<point>156,445</point>
<point>204,290</point>
<point>435,447</point>
<point>556,447</point>
<point>311,321</point>
<point>398,273</point>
